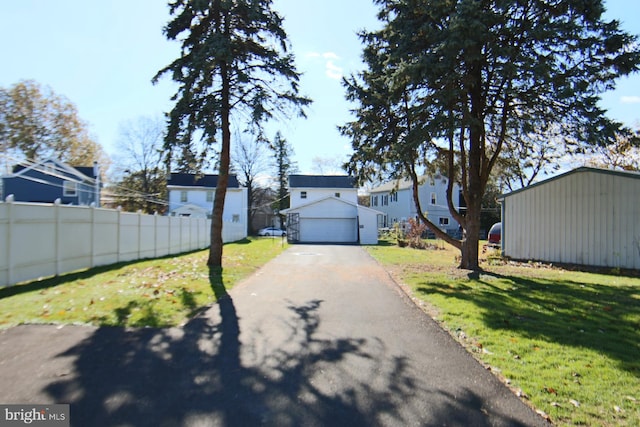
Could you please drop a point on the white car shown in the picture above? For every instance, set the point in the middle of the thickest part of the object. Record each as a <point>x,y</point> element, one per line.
<point>271,231</point>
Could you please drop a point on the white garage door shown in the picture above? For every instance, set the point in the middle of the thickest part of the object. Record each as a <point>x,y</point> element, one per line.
<point>331,230</point>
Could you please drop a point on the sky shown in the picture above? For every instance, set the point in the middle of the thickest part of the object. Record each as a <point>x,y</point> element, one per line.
<point>102,55</point>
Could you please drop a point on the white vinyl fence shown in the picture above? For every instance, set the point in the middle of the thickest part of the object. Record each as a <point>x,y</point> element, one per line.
<point>41,240</point>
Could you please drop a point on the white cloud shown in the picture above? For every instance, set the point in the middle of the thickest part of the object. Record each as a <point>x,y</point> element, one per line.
<point>332,70</point>
<point>330,55</point>
<point>630,99</point>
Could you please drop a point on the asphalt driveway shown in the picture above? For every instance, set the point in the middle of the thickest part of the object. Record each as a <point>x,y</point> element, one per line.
<point>319,336</point>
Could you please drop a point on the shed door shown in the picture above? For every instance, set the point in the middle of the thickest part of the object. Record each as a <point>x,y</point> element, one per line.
<point>331,230</point>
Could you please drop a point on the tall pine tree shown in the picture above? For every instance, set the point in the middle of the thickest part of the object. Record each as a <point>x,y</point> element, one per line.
<point>282,153</point>
<point>455,80</point>
<point>234,59</point>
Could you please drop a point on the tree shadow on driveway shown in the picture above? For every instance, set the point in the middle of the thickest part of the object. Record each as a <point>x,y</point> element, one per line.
<point>211,373</point>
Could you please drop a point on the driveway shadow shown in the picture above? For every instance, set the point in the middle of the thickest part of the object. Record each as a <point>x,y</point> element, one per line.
<point>195,376</point>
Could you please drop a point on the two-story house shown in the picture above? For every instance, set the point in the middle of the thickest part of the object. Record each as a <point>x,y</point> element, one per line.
<point>193,195</point>
<point>324,208</point>
<point>51,180</point>
<point>395,200</point>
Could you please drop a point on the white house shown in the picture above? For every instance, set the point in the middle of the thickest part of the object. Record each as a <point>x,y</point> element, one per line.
<point>586,216</point>
<point>193,195</point>
<point>324,208</point>
<point>395,200</point>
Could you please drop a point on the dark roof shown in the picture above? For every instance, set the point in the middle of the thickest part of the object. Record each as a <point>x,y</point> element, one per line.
<point>84,170</point>
<point>191,180</point>
<point>321,181</point>
<point>626,174</point>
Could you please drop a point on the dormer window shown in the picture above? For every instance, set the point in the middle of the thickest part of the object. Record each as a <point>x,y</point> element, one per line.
<point>303,194</point>
<point>337,194</point>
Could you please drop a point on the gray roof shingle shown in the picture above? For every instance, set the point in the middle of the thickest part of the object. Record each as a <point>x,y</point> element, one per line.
<point>321,181</point>
<point>191,180</point>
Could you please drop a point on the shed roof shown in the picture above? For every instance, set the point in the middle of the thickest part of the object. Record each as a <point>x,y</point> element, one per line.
<point>192,180</point>
<point>321,181</point>
<point>582,169</point>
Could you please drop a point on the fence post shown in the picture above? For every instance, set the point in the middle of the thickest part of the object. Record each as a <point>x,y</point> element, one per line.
<point>118,223</point>
<point>9,200</point>
<point>155,234</point>
<point>93,234</point>
<point>58,225</point>
<point>139,233</point>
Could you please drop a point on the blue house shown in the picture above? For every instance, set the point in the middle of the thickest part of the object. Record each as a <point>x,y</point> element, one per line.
<point>50,179</point>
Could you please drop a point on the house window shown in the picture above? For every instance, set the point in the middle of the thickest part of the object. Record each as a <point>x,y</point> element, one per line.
<point>394,197</point>
<point>444,221</point>
<point>303,194</point>
<point>183,197</point>
<point>70,189</point>
<point>433,198</point>
<point>209,196</point>
<point>385,200</point>
<point>375,200</point>
<point>337,194</point>
<point>235,218</point>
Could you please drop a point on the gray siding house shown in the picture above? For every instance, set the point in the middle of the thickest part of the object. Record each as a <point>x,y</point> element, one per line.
<point>586,216</point>
<point>49,180</point>
<point>395,200</point>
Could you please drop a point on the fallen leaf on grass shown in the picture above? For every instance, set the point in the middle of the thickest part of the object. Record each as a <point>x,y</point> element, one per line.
<point>543,415</point>
<point>551,390</point>
<point>574,403</point>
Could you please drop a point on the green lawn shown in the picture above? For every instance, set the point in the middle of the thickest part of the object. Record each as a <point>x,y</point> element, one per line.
<point>159,292</point>
<point>567,341</point>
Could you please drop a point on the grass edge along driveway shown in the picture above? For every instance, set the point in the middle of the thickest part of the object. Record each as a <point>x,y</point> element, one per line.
<point>567,342</point>
<point>160,292</point>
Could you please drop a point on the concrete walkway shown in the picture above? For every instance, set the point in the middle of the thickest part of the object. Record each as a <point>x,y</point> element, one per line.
<point>320,336</point>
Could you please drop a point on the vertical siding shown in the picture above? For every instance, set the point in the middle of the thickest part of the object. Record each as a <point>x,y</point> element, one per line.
<point>588,217</point>
<point>38,240</point>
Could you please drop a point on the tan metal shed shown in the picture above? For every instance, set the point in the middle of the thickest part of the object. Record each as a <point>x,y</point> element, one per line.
<point>587,216</point>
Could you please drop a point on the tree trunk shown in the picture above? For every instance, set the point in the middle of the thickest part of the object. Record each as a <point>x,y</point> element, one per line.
<point>215,251</point>
<point>476,180</point>
<point>469,250</point>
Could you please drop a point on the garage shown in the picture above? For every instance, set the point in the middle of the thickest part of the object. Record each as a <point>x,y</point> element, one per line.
<point>332,220</point>
<point>330,230</point>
